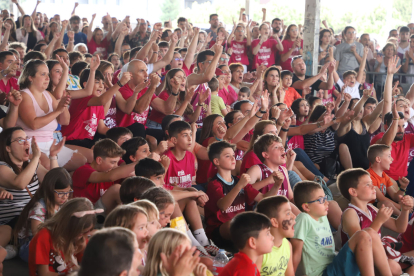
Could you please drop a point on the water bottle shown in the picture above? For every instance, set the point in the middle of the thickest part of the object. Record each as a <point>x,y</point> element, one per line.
<point>220,261</point>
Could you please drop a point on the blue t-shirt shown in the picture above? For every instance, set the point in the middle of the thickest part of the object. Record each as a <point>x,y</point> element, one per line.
<point>79,38</point>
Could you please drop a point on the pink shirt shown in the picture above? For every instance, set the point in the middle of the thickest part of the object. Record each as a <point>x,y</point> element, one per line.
<point>43,134</point>
<point>287,44</point>
<point>266,54</point>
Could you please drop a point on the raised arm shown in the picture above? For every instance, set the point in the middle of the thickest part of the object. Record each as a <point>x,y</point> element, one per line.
<point>71,41</point>
<point>391,70</point>
<point>35,10</point>
<point>58,43</point>
<point>20,10</point>
<point>361,70</point>
<point>74,8</point>
<point>389,135</point>
<point>264,15</point>
<point>196,79</point>
<point>302,84</point>
<point>107,96</point>
<point>168,56</point>
<point>87,91</point>
<point>331,71</point>
<point>120,40</point>
<point>90,31</point>
<point>6,36</point>
<point>191,50</point>
<point>143,53</point>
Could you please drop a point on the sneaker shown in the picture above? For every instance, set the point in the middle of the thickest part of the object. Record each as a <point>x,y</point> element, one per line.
<point>203,252</point>
<point>11,251</point>
<point>212,249</point>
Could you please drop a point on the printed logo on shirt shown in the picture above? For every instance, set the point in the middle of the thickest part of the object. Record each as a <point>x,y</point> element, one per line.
<point>182,180</point>
<point>91,125</point>
<point>235,208</point>
<point>278,269</point>
<point>140,118</point>
<point>102,192</point>
<point>321,244</point>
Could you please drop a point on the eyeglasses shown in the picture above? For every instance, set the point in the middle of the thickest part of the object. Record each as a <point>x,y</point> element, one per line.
<point>178,59</point>
<point>321,200</point>
<point>224,59</point>
<point>351,32</point>
<point>21,141</point>
<point>64,194</point>
<point>208,61</point>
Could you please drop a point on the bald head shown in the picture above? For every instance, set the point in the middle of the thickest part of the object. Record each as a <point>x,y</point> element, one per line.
<point>138,70</point>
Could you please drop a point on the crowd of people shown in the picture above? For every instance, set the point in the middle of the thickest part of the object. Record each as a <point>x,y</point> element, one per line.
<point>147,150</point>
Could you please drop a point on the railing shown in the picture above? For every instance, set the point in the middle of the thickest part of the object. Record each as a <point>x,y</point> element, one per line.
<point>405,85</point>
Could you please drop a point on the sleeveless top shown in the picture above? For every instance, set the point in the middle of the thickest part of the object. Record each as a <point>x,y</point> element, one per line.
<point>11,208</point>
<point>365,220</point>
<point>358,145</point>
<point>266,172</point>
<point>276,262</point>
<point>45,133</point>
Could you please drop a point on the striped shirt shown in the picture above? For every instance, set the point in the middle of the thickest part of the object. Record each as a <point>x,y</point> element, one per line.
<point>12,208</point>
<point>319,145</point>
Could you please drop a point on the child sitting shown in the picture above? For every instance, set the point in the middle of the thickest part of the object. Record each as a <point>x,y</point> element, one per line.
<point>153,217</point>
<point>96,181</point>
<point>167,244</point>
<point>313,245</point>
<point>164,202</point>
<point>290,93</point>
<point>244,95</point>
<point>119,135</point>
<point>217,104</point>
<point>52,194</point>
<point>58,245</point>
<point>133,187</point>
<point>152,170</point>
<point>352,79</point>
<point>228,195</point>
<point>356,186</point>
<point>282,219</point>
<point>251,236</point>
<point>137,148</point>
<point>133,218</point>
<point>380,158</point>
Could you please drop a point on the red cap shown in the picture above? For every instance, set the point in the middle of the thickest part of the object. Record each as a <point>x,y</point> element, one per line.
<point>219,72</point>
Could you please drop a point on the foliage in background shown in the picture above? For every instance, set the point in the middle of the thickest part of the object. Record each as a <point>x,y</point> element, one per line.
<point>170,10</point>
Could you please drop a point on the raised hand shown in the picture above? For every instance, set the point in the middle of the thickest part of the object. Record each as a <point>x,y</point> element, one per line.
<point>14,97</point>
<point>62,63</point>
<point>155,79</point>
<point>190,93</point>
<point>392,65</point>
<point>380,59</point>
<point>403,182</point>
<point>93,16</point>
<point>347,97</point>
<point>71,35</point>
<point>204,96</point>
<point>244,180</point>
<point>274,112</point>
<point>95,61</point>
<point>141,86</point>
<point>55,148</point>
<point>35,148</point>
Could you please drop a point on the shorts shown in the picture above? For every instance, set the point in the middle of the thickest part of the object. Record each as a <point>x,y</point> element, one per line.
<point>153,125</point>
<point>64,155</point>
<point>57,135</point>
<point>344,264</point>
<point>84,143</point>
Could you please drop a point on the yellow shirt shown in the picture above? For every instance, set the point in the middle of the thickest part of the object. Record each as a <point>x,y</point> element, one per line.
<point>275,263</point>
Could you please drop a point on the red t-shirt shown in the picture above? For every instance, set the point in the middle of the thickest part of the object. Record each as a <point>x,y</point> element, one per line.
<point>194,101</point>
<point>115,78</point>
<point>155,115</point>
<point>266,54</point>
<point>250,159</point>
<point>240,265</point>
<point>240,50</point>
<point>296,141</point>
<point>186,70</point>
<point>84,120</point>
<point>101,48</point>
<point>399,152</point>
<point>407,238</point>
<point>83,188</point>
<point>217,189</point>
<point>228,95</point>
<point>181,172</point>
<point>125,120</point>
<point>205,166</point>
<point>11,83</point>
<point>287,44</point>
<point>42,252</point>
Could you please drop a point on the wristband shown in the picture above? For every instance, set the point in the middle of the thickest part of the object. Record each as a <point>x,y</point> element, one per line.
<point>53,157</point>
<point>119,83</point>
<point>273,118</point>
<point>257,116</point>
<point>284,129</point>
<point>172,93</point>
<point>395,119</point>
<point>263,112</point>
<point>402,190</point>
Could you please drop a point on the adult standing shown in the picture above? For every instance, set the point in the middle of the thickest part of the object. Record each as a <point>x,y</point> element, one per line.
<point>97,42</point>
<point>28,34</point>
<point>348,55</point>
<point>80,37</point>
<point>214,24</point>
<point>292,46</point>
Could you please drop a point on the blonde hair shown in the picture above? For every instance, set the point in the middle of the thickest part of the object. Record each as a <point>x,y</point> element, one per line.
<point>65,228</point>
<point>124,216</point>
<point>164,241</point>
<point>105,65</point>
<point>148,207</point>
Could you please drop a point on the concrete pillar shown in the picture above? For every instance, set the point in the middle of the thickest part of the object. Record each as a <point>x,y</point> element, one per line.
<point>249,11</point>
<point>311,36</point>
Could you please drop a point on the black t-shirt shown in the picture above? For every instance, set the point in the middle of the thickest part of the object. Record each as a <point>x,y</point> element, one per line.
<point>314,86</point>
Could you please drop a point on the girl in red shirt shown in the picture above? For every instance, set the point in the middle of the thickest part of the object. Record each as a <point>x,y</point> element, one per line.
<point>240,45</point>
<point>264,48</point>
<point>292,46</point>
<point>58,246</point>
<point>97,43</point>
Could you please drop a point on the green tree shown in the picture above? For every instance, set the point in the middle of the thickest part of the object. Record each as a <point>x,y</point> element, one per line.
<point>170,9</point>
<point>402,11</point>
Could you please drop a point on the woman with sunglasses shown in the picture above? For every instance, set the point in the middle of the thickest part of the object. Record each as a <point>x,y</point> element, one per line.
<point>52,194</point>
<point>19,176</point>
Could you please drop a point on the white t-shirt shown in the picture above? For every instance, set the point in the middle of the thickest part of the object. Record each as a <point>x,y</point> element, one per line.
<point>353,91</point>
